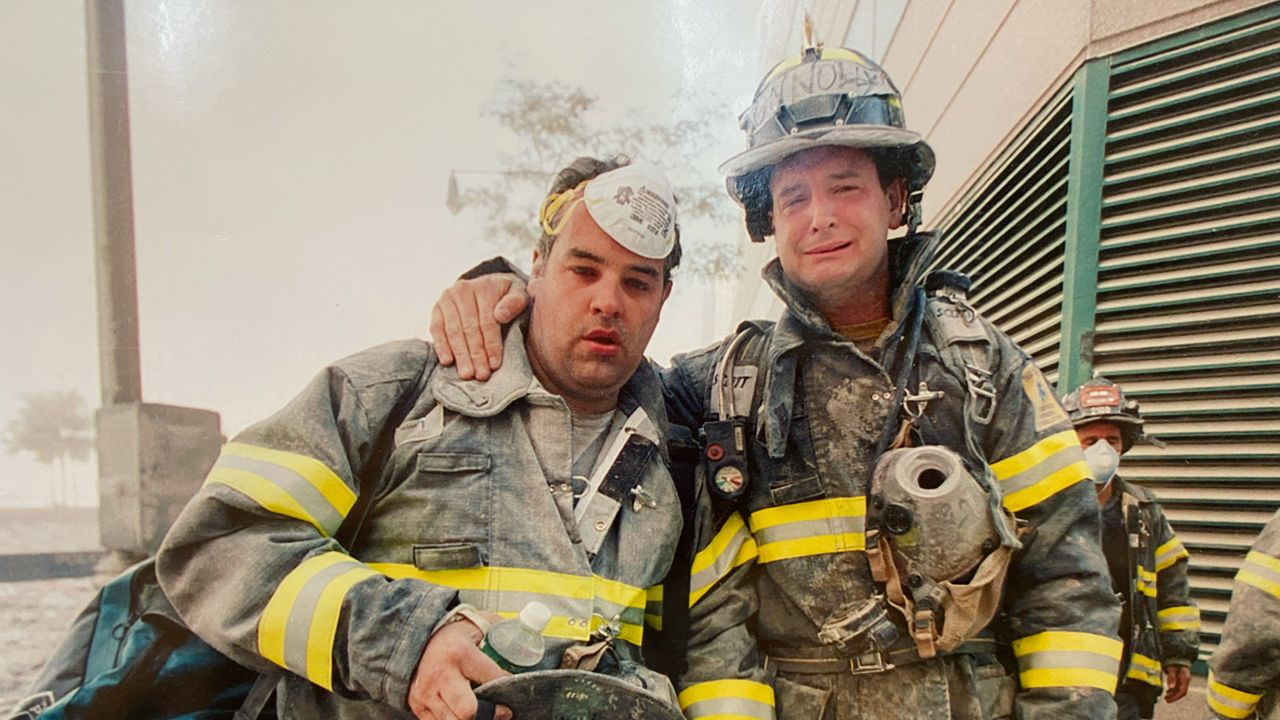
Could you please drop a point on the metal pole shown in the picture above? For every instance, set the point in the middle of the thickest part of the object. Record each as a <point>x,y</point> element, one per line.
<point>119,364</point>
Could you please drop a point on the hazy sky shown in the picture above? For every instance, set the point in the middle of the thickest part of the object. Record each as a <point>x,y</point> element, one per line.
<point>290,164</point>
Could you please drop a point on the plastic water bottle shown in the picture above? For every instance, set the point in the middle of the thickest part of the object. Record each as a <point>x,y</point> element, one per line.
<point>516,643</point>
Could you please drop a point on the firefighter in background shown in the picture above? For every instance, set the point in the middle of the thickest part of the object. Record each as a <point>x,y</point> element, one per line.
<point>1159,623</point>
<point>1244,672</point>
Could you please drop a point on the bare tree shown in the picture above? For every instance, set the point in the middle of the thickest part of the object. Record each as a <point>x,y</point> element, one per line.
<point>53,427</point>
<point>553,123</point>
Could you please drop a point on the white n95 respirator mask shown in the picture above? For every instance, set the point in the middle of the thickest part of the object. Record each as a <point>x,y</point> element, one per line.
<point>1103,462</point>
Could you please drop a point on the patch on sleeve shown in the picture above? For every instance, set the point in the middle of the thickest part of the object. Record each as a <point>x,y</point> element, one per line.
<point>1048,411</point>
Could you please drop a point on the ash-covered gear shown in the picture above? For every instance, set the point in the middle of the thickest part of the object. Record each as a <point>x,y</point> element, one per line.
<point>933,513</point>
<point>1244,672</point>
<point>935,546</point>
<point>1160,623</point>
<point>467,511</point>
<point>777,566</point>
<point>824,96</point>
<point>1101,399</point>
<point>632,693</point>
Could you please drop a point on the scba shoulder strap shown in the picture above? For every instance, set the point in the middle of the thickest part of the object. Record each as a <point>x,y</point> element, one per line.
<point>735,395</point>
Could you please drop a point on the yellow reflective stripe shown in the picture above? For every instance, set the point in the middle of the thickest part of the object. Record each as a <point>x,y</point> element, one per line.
<point>266,494</point>
<point>296,630</point>
<point>1057,658</point>
<point>1229,702</point>
<point>653,607</point>
<point>285,483</point>
<point>1261,571</point>
<point>800,527</point>
<point>1178,617</point>
<point>317,473</point>
<point>1144,669</point>
<point>1170,553</point>
<point>1145,583</point>
<point>731,548</point>
<point>610,595</point>
<point>1040,471</point>
<point>619,593</point>
<point>728,700</point>
<point>574,600</point>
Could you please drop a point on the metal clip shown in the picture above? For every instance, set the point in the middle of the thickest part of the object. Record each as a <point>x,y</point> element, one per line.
<point>607,629</point>
<point>641,498</point>
<point>914,405</point>
<point>869,663</point>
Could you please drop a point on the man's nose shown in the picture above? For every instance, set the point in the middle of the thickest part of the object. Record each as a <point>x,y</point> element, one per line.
<point>607,299</point>
<point>823,213</point>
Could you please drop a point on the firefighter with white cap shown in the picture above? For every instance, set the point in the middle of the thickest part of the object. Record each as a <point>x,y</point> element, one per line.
<point>547,483</point>
<point>1159,623</point>
<point>812,594</point>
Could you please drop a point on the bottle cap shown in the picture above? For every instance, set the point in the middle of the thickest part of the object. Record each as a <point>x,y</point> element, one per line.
<point>535,615</point>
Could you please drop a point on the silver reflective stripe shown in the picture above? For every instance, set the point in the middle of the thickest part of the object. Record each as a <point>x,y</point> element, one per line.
<point>1170,555</point>
<point>1178,616</point>
<point>810,528</point>
<point>1064,457</point>
<point>1145,669</point>
<point>513,601</point>
<point>729,708</point>
<point>1239,708</point>
<point>293,484</point>
<point>722,564</point>
<point>1068,659</point>
<point>1252,564</point>
<point>297,631</point>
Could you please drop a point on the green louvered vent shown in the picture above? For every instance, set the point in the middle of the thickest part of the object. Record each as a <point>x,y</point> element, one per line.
<point>1007,233</point>
<point>1188,314</point>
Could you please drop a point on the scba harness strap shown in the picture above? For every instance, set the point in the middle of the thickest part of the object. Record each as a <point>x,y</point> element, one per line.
<point>965,347</point>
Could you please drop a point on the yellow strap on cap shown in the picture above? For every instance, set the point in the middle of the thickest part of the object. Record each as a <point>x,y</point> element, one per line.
<point>553,204</point>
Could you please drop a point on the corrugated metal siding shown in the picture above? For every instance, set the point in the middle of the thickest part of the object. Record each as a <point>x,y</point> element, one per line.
<point>1188,311</point>
<point>1007,233</point>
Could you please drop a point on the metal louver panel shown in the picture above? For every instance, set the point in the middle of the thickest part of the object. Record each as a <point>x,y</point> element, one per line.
<point>1188,305</point>
<point>1007,232</point>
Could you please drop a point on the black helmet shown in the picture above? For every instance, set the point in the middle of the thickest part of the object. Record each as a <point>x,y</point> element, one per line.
<point>1101,399</point>
<point>824,96</point>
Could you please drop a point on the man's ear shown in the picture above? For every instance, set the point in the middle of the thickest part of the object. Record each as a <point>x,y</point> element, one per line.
<point>536,274</point>
<point>896,194</point>
<point>666,291</point>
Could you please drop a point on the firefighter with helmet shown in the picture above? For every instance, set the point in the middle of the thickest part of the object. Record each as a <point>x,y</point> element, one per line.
<point>827,581</point>
<point>1159,622</point>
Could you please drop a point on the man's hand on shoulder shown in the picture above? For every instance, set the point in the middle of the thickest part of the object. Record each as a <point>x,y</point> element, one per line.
<point>467,320</point>
<point>451,663</point>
